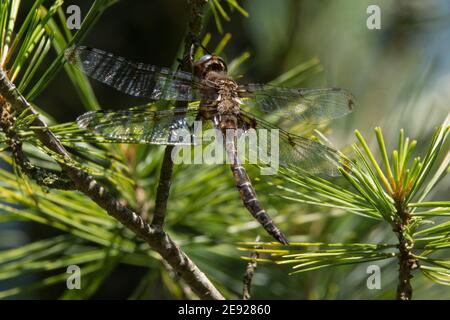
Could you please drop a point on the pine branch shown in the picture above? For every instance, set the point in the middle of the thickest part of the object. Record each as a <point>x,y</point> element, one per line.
<point>250,272</point>
<point>46,178</point>
<point>190,43</point>
<point>392,195</point>
<point>156,238</point>
<point>162,193</point>
<point>405,259</point>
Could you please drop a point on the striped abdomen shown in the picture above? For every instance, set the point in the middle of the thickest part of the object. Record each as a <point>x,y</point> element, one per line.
<point>248,194</point>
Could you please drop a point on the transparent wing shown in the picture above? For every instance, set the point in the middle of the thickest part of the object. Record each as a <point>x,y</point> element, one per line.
<point>138,125</point>
<point>311,105</point>
<point>138,79</point>
<point>291,151</point>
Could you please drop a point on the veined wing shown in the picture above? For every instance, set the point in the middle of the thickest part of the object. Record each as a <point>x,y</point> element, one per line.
<point>139,125</point>
<point>291,151</point>
<point>139,79</point>
<point>311,105</point>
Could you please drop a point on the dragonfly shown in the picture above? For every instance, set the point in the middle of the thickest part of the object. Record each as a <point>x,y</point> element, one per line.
<point>221,102</point>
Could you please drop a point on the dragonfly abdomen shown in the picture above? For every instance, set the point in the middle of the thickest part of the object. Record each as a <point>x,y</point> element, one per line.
<point>228,125</point>
<point>248,196</point>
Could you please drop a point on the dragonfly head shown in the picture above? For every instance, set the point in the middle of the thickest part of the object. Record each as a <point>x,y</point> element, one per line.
<point>209,63</point>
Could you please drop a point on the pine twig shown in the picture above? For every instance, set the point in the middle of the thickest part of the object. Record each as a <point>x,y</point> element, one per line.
<point>43,177</point>
<point>250,272</point>
<point>165,176</point>
<point>187,292</point>
<point>162,193</point>
<point>406,261</point>
<point>156,238</point>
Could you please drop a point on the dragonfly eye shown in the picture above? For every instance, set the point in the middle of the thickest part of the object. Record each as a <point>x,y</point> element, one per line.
<point>204,59</point>
<point>208,63</point>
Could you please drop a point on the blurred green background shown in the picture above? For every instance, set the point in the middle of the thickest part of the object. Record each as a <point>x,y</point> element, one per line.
<point>400,76</point>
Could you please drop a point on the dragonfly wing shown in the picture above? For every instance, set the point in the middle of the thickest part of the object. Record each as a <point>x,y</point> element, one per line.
<point>139,79</point>
<point>310,105</point>
<point>290,150</point>
<point>138,125</point>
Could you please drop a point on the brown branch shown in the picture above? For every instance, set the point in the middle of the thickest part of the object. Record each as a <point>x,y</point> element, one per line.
<point>43,177</point>
<point>250,272</point>
<point>406,261</point>
<point>155,237</point>
<point>165,176</point>
<point>186,290</point>
<point>162,193</point>
<point>404,288</point>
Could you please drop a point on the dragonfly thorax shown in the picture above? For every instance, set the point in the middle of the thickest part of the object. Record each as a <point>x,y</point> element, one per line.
<point>227,101</point>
